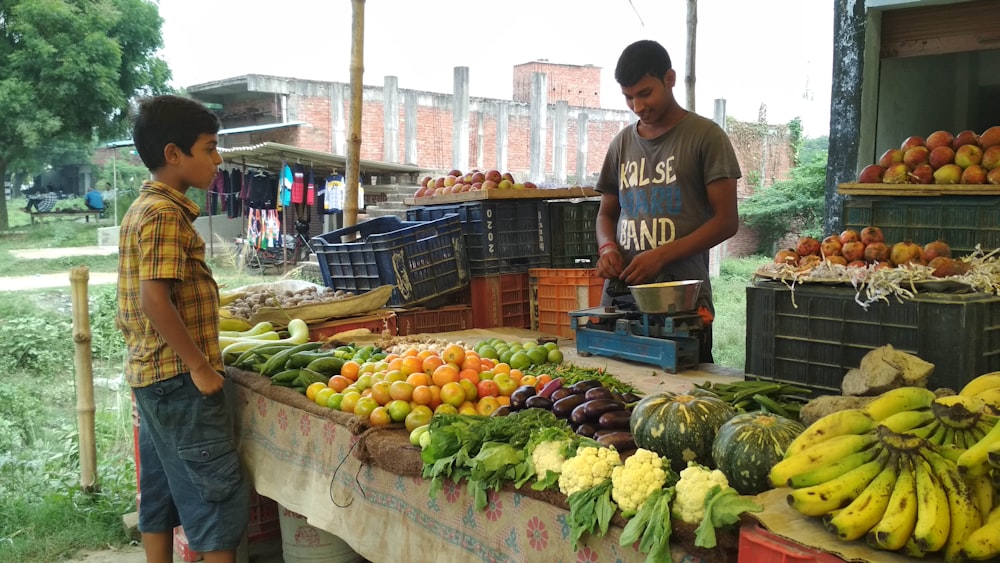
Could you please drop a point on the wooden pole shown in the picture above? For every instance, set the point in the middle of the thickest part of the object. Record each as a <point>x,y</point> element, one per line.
<point>354,119</point>
<point>692,35</point>
<point>83,358</point>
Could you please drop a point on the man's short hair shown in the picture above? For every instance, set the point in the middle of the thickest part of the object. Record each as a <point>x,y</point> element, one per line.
<point>170,119</point>
<point>642,58</point>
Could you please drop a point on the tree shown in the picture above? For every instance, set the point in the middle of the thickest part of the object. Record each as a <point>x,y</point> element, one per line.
<point>792,206</point>
<point>68,70</point>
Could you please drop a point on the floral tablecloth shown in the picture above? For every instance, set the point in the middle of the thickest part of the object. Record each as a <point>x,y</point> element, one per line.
<point>304,461</point>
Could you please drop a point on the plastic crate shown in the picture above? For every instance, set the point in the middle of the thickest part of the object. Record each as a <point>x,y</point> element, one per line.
<point>505,236</point>
<point>573,228</point>
<point>263,523</point>
<point>422,259</point>
<point>827,334</point>
<point>383,321</point>
<point>501,301</point>
<point>443,319</point>
<point>181,548</point>
<point>961,221</point>
<point>758,545</point>
<point>555,292</point>
<point>430,212</point>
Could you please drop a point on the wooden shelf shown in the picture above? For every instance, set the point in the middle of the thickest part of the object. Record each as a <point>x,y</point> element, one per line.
<point>483,195</point>
<point>917,189</point>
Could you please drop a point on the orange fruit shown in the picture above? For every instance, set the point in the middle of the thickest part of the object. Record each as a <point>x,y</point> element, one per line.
<point>444,374</point>
<point>398,410</point>
<point>470,374</point>
<point>350,370</point>
<point>529,380</point>
<point>424,354</point>
<point>453,354</point>
<point>395,364</point>
<point>504,400</point>
<point>431,363</point>
<point>401,391</point>
<point>313,389</point>
<point>422,395</point>
<point>323,396</point>
<point>411,364</point>
<point>452,394</point>
<point>472,361</point>
<point>445,408</point>
<point>349,401</point>
<point>379,417</point>
<point>501,368</point>
<point>412,352</point>
<point>487,363</point>
<point>380,392</point>
<point>395,375</point>
<point>365,406</point>
<point>418,416</point>
<point>516,375</point>
<point>435,397</point>
<point>542,380</point>
<point>468,408</point>
<point>487,405</point>
<point>471,393</point>
<point>419,378</point>
<point>338,383</point>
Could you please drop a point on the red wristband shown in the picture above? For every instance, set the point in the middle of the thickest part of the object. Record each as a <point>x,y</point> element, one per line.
<point>610,244</point>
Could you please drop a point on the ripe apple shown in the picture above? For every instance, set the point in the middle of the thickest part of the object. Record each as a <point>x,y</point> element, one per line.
<point>912,141</point>
<point>504,383</point>
<point>425,181</point>
<point>489,185</point>
<point>530,186</point>
<point>922,174</point>
<point>494,175</point>
<point>477,178</point>
<point>974,174</point>
<point>476,186</point>
<point>507,176</point>
<point>454,172</point>
<point>890,157</point>
<point>871,174</point>
<point>994,176</point>
<point>916,156</point>
<point>467,179</point>
<point>450,181</point>
<point>941,156</point>
<point>948,174</point>
<point>967,155</point>
<point>990,137</point>
<point>967,137</point>
<point>517,186</point>
<point>896,174</point>
<point>439,183</point>
<point>939,139</point>
<point>991,157</point>
<point>505,184</point>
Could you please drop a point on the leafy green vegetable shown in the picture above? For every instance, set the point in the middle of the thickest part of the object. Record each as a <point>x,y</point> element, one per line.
<point>589,510</point>
<point>723,506</point>
<point>651,527</point>
<point>570,374</point>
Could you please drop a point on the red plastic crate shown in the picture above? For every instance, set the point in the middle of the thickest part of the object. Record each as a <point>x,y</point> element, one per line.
<point>263,523</point>
<point>443,319</point>
<point>182,549</point>
<point>382,321</point>
<point>555,292</point>
<point>758,545</point>
<point>501,301</point>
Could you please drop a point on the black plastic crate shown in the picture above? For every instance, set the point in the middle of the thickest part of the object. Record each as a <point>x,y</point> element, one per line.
<point>430,212</point>
<point>573,228</point>
<point>422,259</point>
<point>961,221</point>
<point>827,334</point>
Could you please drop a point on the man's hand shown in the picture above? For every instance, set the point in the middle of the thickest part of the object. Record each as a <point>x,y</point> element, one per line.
<point>610,264</point>
<point>643,269</point>
<point>207,380</point>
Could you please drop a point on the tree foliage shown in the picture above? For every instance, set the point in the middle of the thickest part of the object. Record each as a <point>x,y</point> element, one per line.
<point>792,206</point>
<point>68,70</point>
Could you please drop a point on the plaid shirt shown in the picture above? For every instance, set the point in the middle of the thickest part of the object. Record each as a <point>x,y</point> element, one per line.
<point>157,241</point>
<point>47,203</point>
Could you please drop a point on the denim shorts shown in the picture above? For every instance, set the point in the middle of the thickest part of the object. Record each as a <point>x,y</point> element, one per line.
<point>189,469</point>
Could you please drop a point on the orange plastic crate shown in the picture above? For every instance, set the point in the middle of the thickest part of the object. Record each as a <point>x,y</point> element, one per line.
<point>555,292</point>
<point>758,545</point>
<point>443,319</point>
<point>501,301</point>
<point>379,323</point>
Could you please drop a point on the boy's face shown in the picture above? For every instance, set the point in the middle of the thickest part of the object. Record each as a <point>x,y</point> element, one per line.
<point>650,98</point>
<point>199,169</point>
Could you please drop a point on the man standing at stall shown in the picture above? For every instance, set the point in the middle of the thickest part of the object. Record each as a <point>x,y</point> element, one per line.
<point>668,187</point>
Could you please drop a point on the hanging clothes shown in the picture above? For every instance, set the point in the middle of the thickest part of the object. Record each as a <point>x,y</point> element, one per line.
<point>334,200</point>
<point>263,191</point>
<point>298,194</point>
<point>286,179</point>
<point>311,188</point>
<point>234,206</point>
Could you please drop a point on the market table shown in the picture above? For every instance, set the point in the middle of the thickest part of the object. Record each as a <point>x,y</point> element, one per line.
<point>363,485</point>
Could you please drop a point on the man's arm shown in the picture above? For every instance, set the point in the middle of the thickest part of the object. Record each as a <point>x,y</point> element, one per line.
<point>610,262</point>
<point>720,227</point>
<point>154,298</point>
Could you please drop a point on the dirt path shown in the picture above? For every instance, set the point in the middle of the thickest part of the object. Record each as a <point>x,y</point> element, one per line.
<point>46,281</point>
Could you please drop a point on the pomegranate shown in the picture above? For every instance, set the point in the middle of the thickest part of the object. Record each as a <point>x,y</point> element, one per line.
<point>850,235</point>
<point>881,266</point>
<point>937,248</point>
<point>786,256</point>
<point>830,246</point>
<point>944,267</point>
<point>808,262</point>
<point>807,246</point>
<point>836,259</point>
<point>905,252</point>
<point>876,252</point>
<point>871,234</point>
<point>853,250</point>
<point>857,264</point>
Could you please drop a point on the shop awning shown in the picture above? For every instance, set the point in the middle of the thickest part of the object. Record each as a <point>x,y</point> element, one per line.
<point>271,155</point>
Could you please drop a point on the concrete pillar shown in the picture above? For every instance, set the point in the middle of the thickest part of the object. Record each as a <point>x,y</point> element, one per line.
<point>410,133</point>
<point>539,106</point>
<point>581,149</point>
<point>390,119</point>
<point>460,120</point>
<point>560,125</point>
<point>719,116</point>
<point>503,116</point>
<point>338,124</point>
<point>718,252</point>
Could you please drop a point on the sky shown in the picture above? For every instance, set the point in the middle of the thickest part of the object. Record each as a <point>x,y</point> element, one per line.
<point>773,52</point>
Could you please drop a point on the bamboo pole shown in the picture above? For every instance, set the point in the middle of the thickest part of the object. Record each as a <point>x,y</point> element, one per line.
<point>85,409</point>
<point>354,114</point>
<point>692,42</point>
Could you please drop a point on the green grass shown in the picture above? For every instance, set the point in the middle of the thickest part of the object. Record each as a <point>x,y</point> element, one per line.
<point>729,293</point>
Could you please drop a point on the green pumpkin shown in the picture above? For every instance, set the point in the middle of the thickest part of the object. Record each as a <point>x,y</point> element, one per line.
<point>748,446</point>
<point>680,426</point>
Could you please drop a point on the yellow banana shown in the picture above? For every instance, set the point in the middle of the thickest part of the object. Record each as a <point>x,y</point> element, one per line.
<point>981,489</point>
<point>819,455</point>
<point>975,459</point>
<point>933,514</point>
<point>979,384</point>
<point>991,398</point>
<point>900,518</point>
<point>826,497</point>
<point>229,297</point>
<point>865,511</point>
<point>937,436</point>
<point>232,324</point>
<point>984,543</point>
<point>949,437</point>
<point>251,331</point>
<point>965,517</point>
<point>911,549</point>
<point>898,400</point>
<point>951,452</point>
<point>959,411</point>
<point>993,457</point>
<point>824,473</point>
<point>907,421</point>
<point>905,442</point>
<point>839,423</point>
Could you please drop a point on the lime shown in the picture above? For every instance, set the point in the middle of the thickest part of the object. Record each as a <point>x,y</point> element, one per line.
<point>489,352</point>
<point>520,360</point>
<point>555,356</point>
<point>551,346</point>
<point>507,355</point>
<point>537,355</point>
<point>334,401</point>
<point>529,345</point>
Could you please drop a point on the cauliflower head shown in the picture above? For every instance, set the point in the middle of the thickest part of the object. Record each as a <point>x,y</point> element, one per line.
<point>692,488</point>
<point>588,468</point>
<point>548,456</point>
<point>633,482</point>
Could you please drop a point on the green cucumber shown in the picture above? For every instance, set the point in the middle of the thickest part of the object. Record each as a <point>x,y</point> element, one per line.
<point>328,366</point>
<point>277,361</point>
<point>302,359</point>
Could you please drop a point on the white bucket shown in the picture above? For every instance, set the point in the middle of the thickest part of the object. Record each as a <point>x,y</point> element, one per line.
<point>302,543</point>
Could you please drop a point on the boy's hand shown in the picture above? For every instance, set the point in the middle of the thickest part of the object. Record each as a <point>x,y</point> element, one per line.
<point>643,269</point>
<point>207,380</point>
<point>610,264</point>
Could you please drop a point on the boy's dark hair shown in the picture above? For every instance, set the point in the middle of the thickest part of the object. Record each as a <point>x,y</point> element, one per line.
<point>170,119</point>
<point>639,59</point>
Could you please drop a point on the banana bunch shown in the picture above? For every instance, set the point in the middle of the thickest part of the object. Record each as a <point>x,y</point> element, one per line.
<point>909,472</point>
